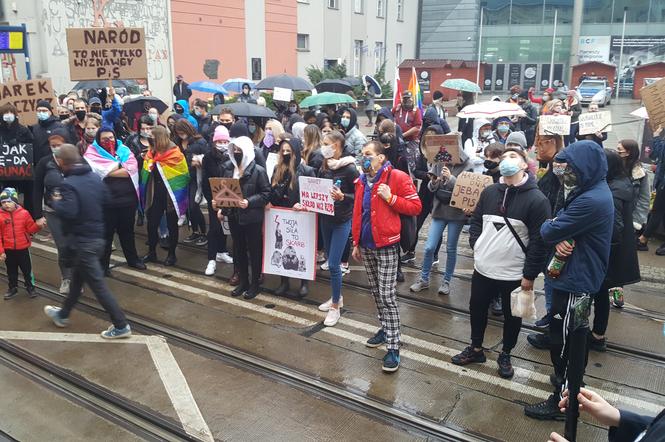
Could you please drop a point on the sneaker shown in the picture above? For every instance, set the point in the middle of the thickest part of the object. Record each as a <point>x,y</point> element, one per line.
<point>11,293</point>
<point>419,286</point>
<point>544,322</point>
<point>539,340</point>
<point>239,290</point>
<point>400,276</point>
<point>320,257</point>
<point>660,251</point>
<point>332,317</point>
<point>326,305</point>
<point>170,260</point>
<point>377,340</point>
<point>596,344</point>
<point>202,241</point>
<point>211,267</point>
<point>325,267</point>
<point>617,297</point>
<point>224,257</point>
<point>54,313</point>
<point>165,242</point>
<point>435,263</point>
<point>468,356</point>
<point>408,258</point>
<point>642,246</point>
<point>344,267</point>
<point>546,410</point>
<point>32,292</point>
<point>191,238</point>
<point>117,333</point>
<point>64,286</point>
<point>391,361</point>
<point>505,367</point>
<point>496,307</point>
<point>445,288</point>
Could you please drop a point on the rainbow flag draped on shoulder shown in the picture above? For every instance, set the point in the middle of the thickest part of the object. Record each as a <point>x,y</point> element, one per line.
<point>172,167</point>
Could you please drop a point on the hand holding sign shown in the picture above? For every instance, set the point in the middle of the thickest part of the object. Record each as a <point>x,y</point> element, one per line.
<point>226,192</point>
<point>468,187</point>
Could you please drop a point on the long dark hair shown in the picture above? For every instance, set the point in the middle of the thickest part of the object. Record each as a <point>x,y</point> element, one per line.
<point>615,165</point>
<point>633,157</point>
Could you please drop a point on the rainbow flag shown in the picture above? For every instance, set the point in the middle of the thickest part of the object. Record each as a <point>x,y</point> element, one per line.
<point>414,87</point>
<point>172,166</point>
<point>397,89</point>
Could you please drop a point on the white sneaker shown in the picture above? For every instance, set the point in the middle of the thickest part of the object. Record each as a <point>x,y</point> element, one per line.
<point>325,266</point>
<point>332,317</point>
<point>326,305</point>
<point>320,257</point>
<point>344,267</point>
<point>224,257</point>
<point>64,287</point>
<point>211,267</point>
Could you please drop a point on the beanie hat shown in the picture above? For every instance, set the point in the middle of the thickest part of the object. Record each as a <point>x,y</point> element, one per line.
<point>59,132</point>
<point>437,94</point>
<point>44,103</point>
<point>221,134</point>
<point>95,100</point>
<point>9,194</point>
<point>239,129</point>
<point>517,138</point>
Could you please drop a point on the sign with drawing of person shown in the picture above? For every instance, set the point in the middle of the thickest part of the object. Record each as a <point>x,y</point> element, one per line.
<point>289,243</point>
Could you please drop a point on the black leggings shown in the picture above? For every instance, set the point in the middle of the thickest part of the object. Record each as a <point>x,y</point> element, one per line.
<point>483,291</point>
<point>247,250</point>
<point>120,220</point>
<point>160,204</point>
<point>194,213</point>
<point>216,237</point>
<point>601,310</point>
<point>657,214</point>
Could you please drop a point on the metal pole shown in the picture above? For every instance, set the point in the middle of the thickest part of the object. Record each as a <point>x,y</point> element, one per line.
<point>549,84</point>
<point>26,52</point>
<point>623,37</point>
<point>480,44</point>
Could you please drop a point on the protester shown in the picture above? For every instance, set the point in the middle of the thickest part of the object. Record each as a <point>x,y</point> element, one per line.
<point>46,124</point>
<point>572,106</point>
<point>226,117</point>
<point>475,146</point>
<point>181,107</point>
<point>493,153</point>
<point>254,126</point>
<point>409,119</point>
<point>16,230</point>
<point>311,151</point>
<point>598,137</point>
<point>181,89</point>
<point>583,221</point>
<point>355,140</point>
<point>298,130</point>
<point>240,129</point>
<point>91,126</point>
<point>13,133</point>
<point>163,189</point>
<point>382,194</point>
<point>465,125</point>
<point>437,104</point>
<point>245,96</point>
<point>502,128</point>
<point>508,253</point>
<point>629,151</point>
<point>115,164</point>
<point>658,211</point>
<point>79,203</point>
<point>339,166</point>
<point>273,131</point>
<point>202,117</point>
<point>527,123</point>
<point>547,96</point>
<point>139,143</point>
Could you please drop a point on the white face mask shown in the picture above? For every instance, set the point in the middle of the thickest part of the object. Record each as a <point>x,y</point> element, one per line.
<point>328,151</point>
<point>9,118</point>
<point>222,147</point>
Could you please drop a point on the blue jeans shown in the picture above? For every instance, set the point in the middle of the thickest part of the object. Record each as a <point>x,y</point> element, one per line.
<point>335,237</point>
<point>548,295</point>
<point>433,237</point>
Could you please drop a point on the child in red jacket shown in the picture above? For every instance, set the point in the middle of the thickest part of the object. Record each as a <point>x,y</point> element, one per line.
<point>16,229</point>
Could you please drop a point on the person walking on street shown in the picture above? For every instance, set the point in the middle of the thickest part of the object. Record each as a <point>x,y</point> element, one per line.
<point>79,201</point>
<point>658,210</point>
<point>181,89</point>
<point>382,194</point>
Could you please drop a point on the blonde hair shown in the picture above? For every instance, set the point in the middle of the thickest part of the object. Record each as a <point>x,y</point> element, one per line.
<point>162,139</point>
<point>276,126</point>
<point>311,140</point>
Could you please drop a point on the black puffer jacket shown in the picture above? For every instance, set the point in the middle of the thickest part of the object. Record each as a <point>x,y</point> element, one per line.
<point>284,194</point>
<point>195,147</point>
<point>256,190</point>
<point>41,131</point>
<point>14,133</point>
<point>347,175</point>
<point>623,267</point>
<point>212,167</point>
<point>48,177</point>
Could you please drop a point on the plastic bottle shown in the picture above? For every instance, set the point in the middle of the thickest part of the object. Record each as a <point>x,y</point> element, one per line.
<point>557,263</point>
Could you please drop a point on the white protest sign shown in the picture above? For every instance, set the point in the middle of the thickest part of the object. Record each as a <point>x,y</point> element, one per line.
<point>271,162</point>
<point>289,247</point>
<point>281,94</point>
<point>315,195</point>
<point>554,125</point>
<point>592,122</point>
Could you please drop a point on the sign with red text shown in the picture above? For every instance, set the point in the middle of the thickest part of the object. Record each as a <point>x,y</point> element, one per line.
<point>468,187</point>
<point>289,243</point>
<point>25,95</point>
<point>315,195</point>
<point>107,53</point>
<point>16,161</point>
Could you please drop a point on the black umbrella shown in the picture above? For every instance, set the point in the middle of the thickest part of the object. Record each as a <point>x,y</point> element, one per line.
<point>140,105</point>
<point>353,81</point>
<point>285,81</point>
<point>337,86</point>
<point>101,84</point>
<point>246,110</point>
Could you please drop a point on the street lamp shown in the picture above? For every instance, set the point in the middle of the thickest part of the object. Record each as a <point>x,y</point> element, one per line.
<point>480,44</point>
<point>623,37</point>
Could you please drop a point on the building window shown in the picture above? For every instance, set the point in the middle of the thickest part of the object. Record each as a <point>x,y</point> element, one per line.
<point>398,53</point>
<point>378,55</point>
<point>303,1</point>
<point>357,57</point>
<point>400,10</point>
<point>303,42</point>
<point>358,6</point>
<point>333,4</point>
<point>380,9</point>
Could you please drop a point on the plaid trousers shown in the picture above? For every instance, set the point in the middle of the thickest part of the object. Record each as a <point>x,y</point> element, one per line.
<point>381,267</point>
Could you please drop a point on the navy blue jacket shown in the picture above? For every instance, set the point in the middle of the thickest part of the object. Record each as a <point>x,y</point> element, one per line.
<point>658,154</point>
<point>631,425</point>
<point>82,197</point>
<point>586,217</point>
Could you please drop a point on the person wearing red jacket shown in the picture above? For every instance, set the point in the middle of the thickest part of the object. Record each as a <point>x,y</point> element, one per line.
<point>16,228</point>
<point>382,195</point>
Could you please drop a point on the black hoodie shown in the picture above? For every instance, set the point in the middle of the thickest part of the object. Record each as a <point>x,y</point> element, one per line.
<point>283,194</point>
<point>41,131</point>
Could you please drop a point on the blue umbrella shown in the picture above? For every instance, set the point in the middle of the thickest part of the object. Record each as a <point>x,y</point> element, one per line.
<point>208,86</point>
<point>374,86</point>
<point>235,84</point>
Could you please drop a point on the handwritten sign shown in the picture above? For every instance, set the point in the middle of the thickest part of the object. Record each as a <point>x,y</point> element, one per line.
<point>271,163</point>
<point>289,243</point>
<point>592,122</point>
<point>16,161</point>
<point>281,94</point>
<point>107,53</point>
<point>443,148</point>
<point>653,97</point>
<point>468,187</point>
<point>554,125</point>
<point>226,191</point>
<point>315,195</point>
<point>24,95</point>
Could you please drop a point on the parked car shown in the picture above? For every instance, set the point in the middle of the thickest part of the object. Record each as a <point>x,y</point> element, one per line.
<point>595,91</point>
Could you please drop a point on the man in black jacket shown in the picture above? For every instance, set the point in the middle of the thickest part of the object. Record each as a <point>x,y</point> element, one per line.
<point>46,124</point>
<point>79,202</point>
<point>527,124</point>
<point>181,89</point>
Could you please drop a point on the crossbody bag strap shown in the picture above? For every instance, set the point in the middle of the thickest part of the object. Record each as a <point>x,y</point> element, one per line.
<point>517,237</point>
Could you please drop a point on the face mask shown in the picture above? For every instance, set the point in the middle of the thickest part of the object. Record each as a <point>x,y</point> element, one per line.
<point>183,137</point>
<point>108,145</point>
<point>222,147</point>
<point>490,165</point>
<point>90,133</point>
<point>545,98</point>
<point>179,110</point>
<point>503,128</point>
<point>287,157</point>
<point>96,109</point>
<point>80,115</point>
<point>153,117</point>
<point>327,151</point>
<point>509,166</point>
<point>145,134</point>
<point>9,118</point>
<point>485,134</point>
<point>42,116</point>
<point>62,117</point>
<point>367,164</point>
<point>227,125</point>
<point>345,122</point>
<point>198,113</point>
<point>292,108</point>
<point>245,91</point>
<point>238,157</point>
<point>558,169</point>
<point>252,129</point>
<point>70,107</point>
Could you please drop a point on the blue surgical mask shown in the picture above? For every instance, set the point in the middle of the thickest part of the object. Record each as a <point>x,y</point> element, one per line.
<point>509,166</point>
<point>42,116</point>
<point>345,122</point>
<point>153,117</point>
<point>367,164</point>
<point>252,128</point>
<point>197,113</point>
<point>503,128</point>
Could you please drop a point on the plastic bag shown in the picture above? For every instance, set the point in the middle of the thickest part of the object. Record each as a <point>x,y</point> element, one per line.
<point>523,304</point>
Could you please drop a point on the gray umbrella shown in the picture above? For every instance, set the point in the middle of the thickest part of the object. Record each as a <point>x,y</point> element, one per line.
<point>101,84</point>
<point>246,110</point>
<point>285,81</point>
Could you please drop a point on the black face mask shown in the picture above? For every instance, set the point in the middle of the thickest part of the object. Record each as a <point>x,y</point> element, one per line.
<point>179,110</point>
<point>287,157</point>
<point>63,117</point>
<point>96,109</point>
<point>80,115</point>
<point>238,157</point>
<point>490,165</point>
<point>227,125</point>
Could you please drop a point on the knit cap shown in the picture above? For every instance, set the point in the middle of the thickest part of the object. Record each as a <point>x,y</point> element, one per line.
<point>221,134</point>
<point>9,194</point>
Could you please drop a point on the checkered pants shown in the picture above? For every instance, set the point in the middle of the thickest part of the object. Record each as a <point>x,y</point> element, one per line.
<point>381,266</point>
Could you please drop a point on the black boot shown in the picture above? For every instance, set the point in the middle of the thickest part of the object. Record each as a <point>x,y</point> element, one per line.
<point>241,288</point>
<point>150,257</point>
<point>283,287</point>
<point>252,291</point>
<point>32,293</point>
<point>304,290</point>
<point>170,259</point>
<point>12,292</point>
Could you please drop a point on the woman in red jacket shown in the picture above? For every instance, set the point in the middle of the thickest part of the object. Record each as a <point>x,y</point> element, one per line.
<point>382,195</point>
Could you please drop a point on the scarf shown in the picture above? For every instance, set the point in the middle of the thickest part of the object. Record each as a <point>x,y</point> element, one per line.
<point>342,162</point>
<point>172,167</point>
<point>103,162</point>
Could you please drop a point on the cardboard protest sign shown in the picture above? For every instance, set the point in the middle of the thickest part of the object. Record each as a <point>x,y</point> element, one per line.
<point>226,191</point>
<point>282,94</point>
<point>653,97</point>
<point>554,125</point>
<point>468,187</point>
<point>315,195</point>
<point>16,161</point>
<point>289,243</point>
<point>271,163</point>
<point>25,95</point>
<point>443,148</point>
<point>592,122</point>
<point>107,53</point>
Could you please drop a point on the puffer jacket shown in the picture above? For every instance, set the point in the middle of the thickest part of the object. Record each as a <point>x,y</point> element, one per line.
<point>255,189</point>
<point>16,229</point>
<point>283,194</point>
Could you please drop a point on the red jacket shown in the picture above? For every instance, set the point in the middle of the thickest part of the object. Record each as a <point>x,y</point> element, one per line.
<point>386,225</point>
<point>16,229</point>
